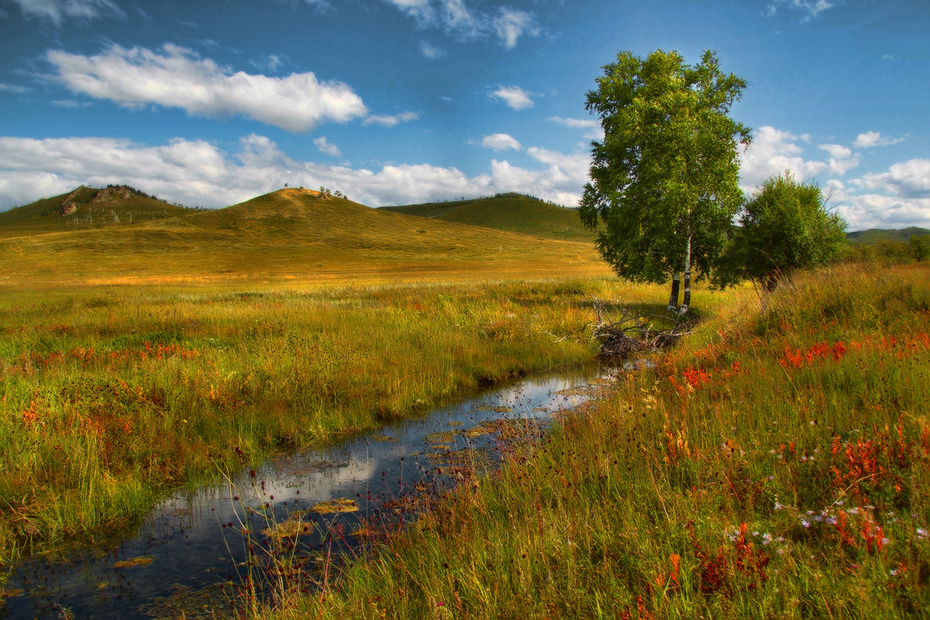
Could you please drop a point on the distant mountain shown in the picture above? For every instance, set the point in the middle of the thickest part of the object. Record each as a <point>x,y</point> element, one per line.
<point>874,235</point>
<point>87,208</point>
<point>510,212</point>
<point>297,232</point>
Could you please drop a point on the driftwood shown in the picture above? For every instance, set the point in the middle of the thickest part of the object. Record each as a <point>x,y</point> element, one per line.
<point>632,333</point>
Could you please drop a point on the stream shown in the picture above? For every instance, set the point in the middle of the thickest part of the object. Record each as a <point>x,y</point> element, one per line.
<point>186,554</point>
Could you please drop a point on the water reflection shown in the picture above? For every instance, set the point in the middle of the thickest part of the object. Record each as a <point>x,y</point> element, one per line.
<point>183,557</point>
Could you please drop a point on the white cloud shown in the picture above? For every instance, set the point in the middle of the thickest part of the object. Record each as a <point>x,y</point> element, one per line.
<point>13,88</point>
<point>897,198</point>
<point>811,8</point>
<point>873,138</point>
<point>501,142</point>
<point>391,121</point>
<point>460,20</point>
<point>773,152</point>
<point>431,51</point>
<point>515,97</point>
<point>58,10</point>
<point>198,173</point>
<point>176,77</point>
<point>842,159</point>
<point>910,179</point>
<point>326,148</point>
<point>595,131</point>
<point>879,211</point>
<point>511,24</point>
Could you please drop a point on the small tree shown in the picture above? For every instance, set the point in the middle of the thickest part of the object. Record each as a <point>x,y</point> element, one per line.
<point>664,181</point>
<point>782,228</point>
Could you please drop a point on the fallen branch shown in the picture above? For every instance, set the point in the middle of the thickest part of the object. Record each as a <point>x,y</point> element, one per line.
<point>632,333</point>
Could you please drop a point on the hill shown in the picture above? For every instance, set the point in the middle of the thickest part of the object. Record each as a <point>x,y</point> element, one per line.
<point>87,208</point>
<point>292,233</point>
<point>875,235</point>
<point>510,212</point>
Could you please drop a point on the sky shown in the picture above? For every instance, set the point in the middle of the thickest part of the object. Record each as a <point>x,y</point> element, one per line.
<point>393,102</point>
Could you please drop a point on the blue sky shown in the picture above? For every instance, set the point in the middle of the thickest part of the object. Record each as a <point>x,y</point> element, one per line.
<point>212,102</point>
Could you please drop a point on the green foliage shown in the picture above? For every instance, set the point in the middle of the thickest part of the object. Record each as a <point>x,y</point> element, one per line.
<point>664,181</point>
<point>783,228</point>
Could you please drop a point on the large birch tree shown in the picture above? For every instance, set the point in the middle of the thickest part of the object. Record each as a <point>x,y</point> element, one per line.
<point>664,179</point>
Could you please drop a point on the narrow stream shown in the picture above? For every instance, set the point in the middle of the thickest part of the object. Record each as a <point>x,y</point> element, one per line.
<point>182,558</point>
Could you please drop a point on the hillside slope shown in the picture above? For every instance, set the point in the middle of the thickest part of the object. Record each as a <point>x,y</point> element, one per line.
<point>874,235</point>
<point>293,233</point>
<point>510,212</point>
<point>86,208</point>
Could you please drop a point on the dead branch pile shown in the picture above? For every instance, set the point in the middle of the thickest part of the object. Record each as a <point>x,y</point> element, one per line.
<point>631,334</point>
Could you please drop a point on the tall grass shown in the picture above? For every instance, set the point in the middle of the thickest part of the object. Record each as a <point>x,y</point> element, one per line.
<point>113,395</point>
<point>773,465</point>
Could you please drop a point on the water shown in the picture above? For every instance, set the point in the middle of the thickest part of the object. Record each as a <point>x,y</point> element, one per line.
<point>191,547</point>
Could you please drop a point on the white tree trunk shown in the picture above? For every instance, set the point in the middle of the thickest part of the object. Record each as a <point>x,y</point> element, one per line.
<point>687,300</point>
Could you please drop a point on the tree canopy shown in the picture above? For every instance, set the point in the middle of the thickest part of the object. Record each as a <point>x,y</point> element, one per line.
<point>664,180</point>
<point>782,228</point>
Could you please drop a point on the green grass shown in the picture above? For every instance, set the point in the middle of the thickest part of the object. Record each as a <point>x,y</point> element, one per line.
<point>876,235</point>
<point>510,212</point>
<point>290,234</point>
<point>774,465</point>
<point>114,395</point>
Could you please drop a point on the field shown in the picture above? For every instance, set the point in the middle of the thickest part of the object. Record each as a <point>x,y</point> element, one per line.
<point>138,356</point>
<point>775,464</point>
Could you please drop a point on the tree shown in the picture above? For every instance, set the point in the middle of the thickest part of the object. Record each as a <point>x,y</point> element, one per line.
<point>664,180</point>
<point>782,228</point>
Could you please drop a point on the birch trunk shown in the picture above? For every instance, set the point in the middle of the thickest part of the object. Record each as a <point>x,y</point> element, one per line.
<point>687,301</point>
<point>673,299</point>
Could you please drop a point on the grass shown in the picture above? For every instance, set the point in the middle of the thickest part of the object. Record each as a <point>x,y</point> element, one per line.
<point>113,395</point>
<point>510,212</point>
<point>290,234</point>
<point>774,465</point>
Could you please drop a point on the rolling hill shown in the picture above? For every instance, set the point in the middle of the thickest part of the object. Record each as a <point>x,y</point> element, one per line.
<point>510,212</point>
<point>874,235</point>
<point>290,233</point>
<point>87,208</point>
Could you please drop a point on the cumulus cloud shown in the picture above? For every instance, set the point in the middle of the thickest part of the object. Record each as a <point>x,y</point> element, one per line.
<point>501,142</point>
<point>870,139</point>
<point>197,173</point>
<point>515,97</point>
<point>391,120</point>
<point>910,179</point>
<point>57,11</point>
<point>866,211</point>
<point>896,198</point>
<point>462,21</point>
<point>773,152</point>
<point>841,160</point>
<point>326,147</point>
<point>177,77</point>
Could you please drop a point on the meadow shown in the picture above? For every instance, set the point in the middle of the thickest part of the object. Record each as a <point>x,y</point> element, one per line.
<point>113,395</point>
<point>774,464</point>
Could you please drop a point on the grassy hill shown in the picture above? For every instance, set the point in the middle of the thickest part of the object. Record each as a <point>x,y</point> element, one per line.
<point>293,233</point>
<point>510,212</point>
<point>86,208</point>
<point>874,235</point>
